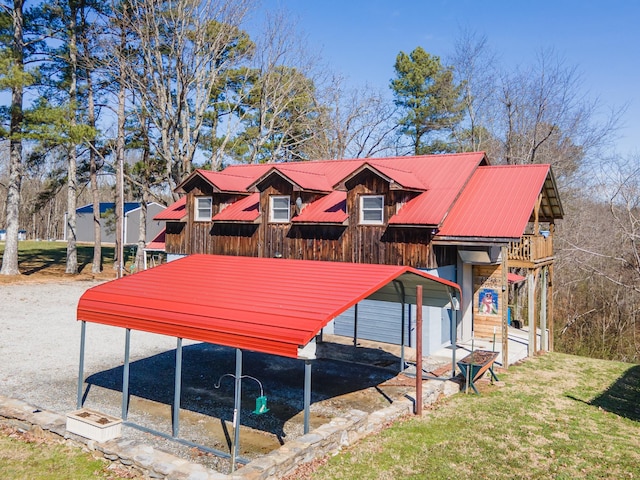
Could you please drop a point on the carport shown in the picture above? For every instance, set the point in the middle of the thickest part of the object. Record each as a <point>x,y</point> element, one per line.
<point>268,305</point>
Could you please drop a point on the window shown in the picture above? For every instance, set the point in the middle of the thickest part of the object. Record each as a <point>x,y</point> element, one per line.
<point>203,209</point>
<point>279,209</point>
<point>372,209</point>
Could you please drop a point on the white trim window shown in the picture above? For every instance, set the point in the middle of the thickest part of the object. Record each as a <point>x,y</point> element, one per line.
<point>203,209</point>
<point>279,208</point>
<point>371,209</point>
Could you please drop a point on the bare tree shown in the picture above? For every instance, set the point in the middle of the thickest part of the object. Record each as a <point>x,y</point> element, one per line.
<point>181,51</point>
<point>356,123</point>
<point>548,118</point>
<point>281,104</point>
<point>598,294</point>
<point>475,67</point>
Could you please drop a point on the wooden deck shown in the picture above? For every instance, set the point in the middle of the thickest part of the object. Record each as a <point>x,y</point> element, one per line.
<point>531,251</point>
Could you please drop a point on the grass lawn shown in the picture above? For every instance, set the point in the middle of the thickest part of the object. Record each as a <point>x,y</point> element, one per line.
<point>40,457</point>
<point>556,417</point>
<point>46,260</point>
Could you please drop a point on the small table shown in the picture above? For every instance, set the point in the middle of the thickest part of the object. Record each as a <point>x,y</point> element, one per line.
<point>476,364</point>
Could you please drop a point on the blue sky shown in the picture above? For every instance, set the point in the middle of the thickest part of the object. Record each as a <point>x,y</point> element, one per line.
<point>360,39</point>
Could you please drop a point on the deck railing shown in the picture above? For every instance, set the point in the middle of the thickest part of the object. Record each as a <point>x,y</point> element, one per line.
<point>531,248</point>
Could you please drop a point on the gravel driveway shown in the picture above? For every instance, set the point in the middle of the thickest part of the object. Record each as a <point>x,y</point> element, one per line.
<point>40,345</point>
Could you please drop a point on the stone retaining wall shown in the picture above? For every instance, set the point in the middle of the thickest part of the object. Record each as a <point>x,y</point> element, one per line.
<point>325,440</point>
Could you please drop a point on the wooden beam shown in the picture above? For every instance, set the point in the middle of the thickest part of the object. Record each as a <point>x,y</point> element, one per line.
<point>505,307</point>
<point>550,308</point>
<point>531,296</point>
<point>536,215</point>
<point>543,309</point>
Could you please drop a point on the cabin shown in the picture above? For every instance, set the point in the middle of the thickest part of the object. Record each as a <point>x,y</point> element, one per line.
<point>132,210</point>
<point>455,216</point>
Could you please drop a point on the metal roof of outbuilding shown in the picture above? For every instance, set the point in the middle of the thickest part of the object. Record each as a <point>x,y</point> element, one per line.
<point>266,305</point>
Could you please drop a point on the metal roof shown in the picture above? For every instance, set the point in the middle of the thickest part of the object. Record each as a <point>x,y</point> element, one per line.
<point>439,178</point>
<point>175,211</point>
<point>246,209</point>
<point>300,179</point>
<point>105,206</point>
<point>497,202</point>
<point>267,305</point>
<point>330,208</point>
<point>158,243</point>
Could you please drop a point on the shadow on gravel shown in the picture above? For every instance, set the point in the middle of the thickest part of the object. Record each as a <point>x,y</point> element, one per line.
<point>282,378</point>
<point>623,397</point>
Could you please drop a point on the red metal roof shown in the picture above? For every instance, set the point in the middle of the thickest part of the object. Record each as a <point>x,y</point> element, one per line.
<point>515,278</point>
<point>246,209</point>
<point>158,243</point>
<point>497,202</point>
<point>331,208</point>
<point>226,182</point>
<point>266,305</point>
<point>175,211</point>
<point>302,179</point>
<point>444,176</point>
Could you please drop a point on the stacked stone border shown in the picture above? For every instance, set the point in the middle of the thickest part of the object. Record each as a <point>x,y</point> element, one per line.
<point>328,439</point>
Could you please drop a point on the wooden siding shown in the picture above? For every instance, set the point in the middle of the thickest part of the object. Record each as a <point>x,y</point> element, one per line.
<point>378,244</point>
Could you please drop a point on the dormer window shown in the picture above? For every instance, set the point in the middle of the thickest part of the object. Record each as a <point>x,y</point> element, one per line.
<point>371,209</point>
<point>279,208</point>
<point>203,209</point>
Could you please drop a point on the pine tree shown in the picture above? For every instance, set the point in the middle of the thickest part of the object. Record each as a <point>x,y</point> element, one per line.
<point>426,92</point>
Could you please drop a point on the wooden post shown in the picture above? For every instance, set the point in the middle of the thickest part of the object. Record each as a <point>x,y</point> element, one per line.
<point>531,311</point>
<point>419,350</point>
<point>505,308</point>
<point>543,309</point>
<point>550,308</point>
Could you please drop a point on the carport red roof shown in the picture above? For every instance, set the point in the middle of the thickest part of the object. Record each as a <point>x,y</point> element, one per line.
<point>266,305</point>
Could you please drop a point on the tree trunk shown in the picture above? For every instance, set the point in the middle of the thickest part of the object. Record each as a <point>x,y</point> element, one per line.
<point>96,264</point>
<point>72,175</point>
<point>142,230</point>
<point>119,252</point>
<point>10,256</point>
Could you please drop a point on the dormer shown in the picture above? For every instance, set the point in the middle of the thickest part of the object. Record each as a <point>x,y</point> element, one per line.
<point>209,193</point>
<point>376,192</point>
<point>285,192</point>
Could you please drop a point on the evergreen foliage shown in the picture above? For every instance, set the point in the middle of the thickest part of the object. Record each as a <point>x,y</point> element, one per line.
<point>429,99</point>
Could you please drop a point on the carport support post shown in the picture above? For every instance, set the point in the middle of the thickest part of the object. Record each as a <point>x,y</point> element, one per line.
<point>355,326</point>
<point>177,389</point>
<point>83,334</point>
<point>125,375</point>
<point>419,350</point>
<point>399,286</point>
<point>236,410</point>
<point>307,394</point>
<point>454,337</point>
